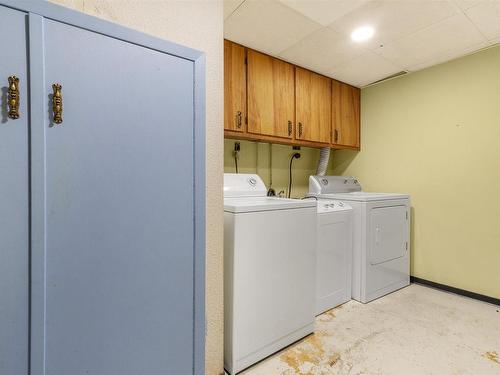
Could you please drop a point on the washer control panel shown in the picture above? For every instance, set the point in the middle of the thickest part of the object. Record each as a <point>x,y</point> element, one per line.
<point>330,205</point>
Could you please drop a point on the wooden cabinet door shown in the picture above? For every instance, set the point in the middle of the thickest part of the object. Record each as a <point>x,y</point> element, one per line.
<point>235,87</point>
<point>313,106</point>
<point>346,118</point>
<point>119,186</point>
<point>14,197</point>
<point>271,105</point>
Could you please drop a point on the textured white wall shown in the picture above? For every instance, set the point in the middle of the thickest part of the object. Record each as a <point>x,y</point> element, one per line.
<point>197,24</point>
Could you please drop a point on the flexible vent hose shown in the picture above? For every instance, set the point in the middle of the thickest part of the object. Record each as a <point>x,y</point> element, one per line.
<point>324,157</point>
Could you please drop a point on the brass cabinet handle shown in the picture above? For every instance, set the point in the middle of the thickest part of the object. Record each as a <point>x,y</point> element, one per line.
<point>289,128</point>
<point>300,129</point>
<point>57,103</point>
<point>335,136</point>
<point>13,97</point>
<point>238,119</point>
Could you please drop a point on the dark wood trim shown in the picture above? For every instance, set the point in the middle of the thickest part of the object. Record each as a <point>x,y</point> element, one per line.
<point>229,134</point>
<point>451,289</point>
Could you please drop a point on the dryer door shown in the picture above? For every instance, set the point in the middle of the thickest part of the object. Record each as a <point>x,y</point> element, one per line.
<point>388,233</point>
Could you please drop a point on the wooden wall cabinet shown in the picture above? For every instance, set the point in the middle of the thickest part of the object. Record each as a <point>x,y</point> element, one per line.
<point>271,106</point>
<point>313,100</point>
<point>235,87</point>
<point>345,116</point>
<point>269,100</point>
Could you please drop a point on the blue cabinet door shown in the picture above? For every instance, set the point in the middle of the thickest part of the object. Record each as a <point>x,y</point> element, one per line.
<point>14,195</point>
<point>119,208</point>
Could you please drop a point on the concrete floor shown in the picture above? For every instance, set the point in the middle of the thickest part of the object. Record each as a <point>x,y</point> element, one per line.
<point>416,330</point>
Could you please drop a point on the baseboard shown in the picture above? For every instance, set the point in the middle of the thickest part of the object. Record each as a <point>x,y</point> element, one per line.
<point>462,292</point>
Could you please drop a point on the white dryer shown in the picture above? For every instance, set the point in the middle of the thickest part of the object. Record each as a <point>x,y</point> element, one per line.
<point>381,242</point>
<point>334,254</point>
<point>269,271</point>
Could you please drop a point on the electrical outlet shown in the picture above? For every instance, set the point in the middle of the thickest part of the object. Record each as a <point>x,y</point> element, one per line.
<point>296,148</point>
<point>237,146</point>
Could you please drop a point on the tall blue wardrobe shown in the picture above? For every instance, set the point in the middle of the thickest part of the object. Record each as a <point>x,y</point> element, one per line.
<point>102,197</point>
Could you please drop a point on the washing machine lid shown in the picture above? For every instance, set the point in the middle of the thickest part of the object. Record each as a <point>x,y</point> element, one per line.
<point>363,196</point>
<point>256,204</point>
<point>243,185</point>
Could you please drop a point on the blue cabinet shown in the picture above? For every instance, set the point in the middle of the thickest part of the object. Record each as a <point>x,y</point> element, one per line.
<point>14,197</point>
<point>114,228</point>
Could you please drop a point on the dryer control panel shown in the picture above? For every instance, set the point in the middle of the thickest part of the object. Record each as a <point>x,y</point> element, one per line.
<point>333,184</point>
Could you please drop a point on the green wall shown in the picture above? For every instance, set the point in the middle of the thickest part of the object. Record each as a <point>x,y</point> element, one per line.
<point>436,135</point>
<point>255,158</point>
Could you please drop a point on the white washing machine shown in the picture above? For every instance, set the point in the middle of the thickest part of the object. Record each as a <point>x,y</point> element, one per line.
<point>334,254</point>
<point>381,242</point>
<point>269,271</point>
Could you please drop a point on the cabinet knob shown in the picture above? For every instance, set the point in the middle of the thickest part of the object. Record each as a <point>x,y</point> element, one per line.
<point>335,136</point>
<point>57,103</point>
<point>289,128</point>
<point>238,119</point>
<point>300,129</point>
<point>13,97</point>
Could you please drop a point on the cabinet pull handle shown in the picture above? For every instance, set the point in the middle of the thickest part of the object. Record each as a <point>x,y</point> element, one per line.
<point>13,97</point>
<point>57,103</point>
<point>289,128</point>
<point>300,129</point>
<point>238,119</point>
<point>335,136</point>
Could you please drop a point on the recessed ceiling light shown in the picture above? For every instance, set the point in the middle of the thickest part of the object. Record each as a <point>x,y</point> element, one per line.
<point>362,33</point>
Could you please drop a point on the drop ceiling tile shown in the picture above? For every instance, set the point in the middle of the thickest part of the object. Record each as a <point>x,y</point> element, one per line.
<point>486,17</point>
<point>453,36</point>
<point>364,69</point>
<point>494,41</point>
<point>267,26</point>
<point>322,50</point>
<point>324,11</point>
<point>448,57</point>
<point>466,4</point>
<point>394,19</point>
<point>230,6</point>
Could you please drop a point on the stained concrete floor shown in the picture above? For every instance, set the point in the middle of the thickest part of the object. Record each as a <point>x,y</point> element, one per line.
<point>416,330</point>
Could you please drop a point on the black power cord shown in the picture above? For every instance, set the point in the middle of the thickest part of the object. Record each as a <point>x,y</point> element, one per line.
<point>236,154</point>
<point>296,155</point>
